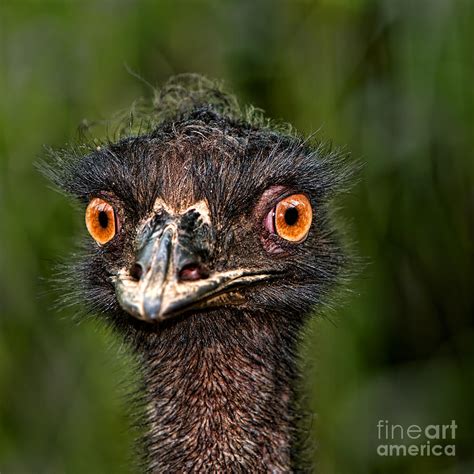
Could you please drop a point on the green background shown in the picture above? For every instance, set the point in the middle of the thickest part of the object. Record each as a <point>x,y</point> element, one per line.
<point>391,80</point>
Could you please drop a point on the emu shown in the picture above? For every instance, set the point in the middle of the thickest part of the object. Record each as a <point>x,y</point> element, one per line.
<point>210,245</point>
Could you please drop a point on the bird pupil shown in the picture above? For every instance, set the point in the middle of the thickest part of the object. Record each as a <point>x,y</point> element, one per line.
<point>291,216</point>
<point>103,219</point>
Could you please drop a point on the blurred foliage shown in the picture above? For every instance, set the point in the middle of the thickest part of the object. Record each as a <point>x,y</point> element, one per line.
<point>391,80</point>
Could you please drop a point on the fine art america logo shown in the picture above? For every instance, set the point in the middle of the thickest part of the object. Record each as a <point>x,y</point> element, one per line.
<point>416,440</point>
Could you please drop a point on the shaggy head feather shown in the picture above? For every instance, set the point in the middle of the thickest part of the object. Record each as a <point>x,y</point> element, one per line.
<point>219,380</point>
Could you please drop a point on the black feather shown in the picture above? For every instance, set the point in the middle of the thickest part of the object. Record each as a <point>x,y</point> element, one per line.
<point>220,385</point>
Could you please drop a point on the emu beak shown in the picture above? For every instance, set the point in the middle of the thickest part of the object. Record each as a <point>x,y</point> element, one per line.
<point>162,285</point>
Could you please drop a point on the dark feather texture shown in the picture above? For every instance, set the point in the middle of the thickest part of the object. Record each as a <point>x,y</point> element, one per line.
<point>219,383</point>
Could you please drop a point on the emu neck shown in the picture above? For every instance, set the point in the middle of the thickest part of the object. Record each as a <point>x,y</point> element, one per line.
<point>220,394</point>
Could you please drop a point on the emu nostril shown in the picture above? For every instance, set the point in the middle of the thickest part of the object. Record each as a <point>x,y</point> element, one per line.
<point>136,271</point>
<point>192,272</point>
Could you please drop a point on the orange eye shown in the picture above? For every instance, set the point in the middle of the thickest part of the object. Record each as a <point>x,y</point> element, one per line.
<point>100,221</point>
<point>293,216</point>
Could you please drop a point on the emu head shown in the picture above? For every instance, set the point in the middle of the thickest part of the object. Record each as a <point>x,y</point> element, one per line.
<point>208,209</point>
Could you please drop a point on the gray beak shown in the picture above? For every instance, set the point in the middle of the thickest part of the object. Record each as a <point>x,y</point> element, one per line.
<point>167,280</point>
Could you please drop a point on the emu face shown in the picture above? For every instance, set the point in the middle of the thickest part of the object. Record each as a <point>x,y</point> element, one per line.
<point>203,213</point>
<point>209,243</point>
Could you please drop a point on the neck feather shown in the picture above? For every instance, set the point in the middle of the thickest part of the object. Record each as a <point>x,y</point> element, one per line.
<point>220,393</point>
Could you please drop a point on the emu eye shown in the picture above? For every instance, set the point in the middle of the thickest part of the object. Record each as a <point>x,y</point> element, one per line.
<point>100,221</point>
<point>292,218</point>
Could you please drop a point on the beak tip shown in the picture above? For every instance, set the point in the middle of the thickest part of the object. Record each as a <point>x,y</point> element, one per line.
<point>152,311</point>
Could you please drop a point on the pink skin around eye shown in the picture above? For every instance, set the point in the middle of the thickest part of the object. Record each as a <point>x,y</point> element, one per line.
<point>269,222</point>
<point>270,196</point>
